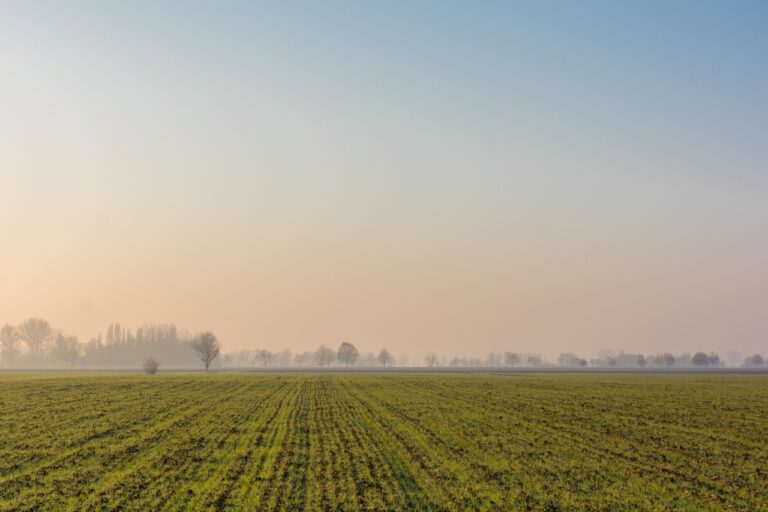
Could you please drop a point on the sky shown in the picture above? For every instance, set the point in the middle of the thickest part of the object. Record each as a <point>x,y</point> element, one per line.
<point>456,177</point>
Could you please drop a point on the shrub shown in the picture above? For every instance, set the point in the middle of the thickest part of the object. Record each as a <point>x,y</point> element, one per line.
<point>150,366</point>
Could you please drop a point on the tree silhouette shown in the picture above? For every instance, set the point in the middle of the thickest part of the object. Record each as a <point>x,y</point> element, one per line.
<point>384,358</point>
<point>347,354</point>
<point>36,333</point>
<point>207,347</point>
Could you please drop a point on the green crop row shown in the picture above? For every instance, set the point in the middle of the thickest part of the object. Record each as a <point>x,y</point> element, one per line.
<point>383,442</point>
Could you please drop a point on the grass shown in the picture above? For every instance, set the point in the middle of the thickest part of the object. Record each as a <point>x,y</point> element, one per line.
<point>383,442</point>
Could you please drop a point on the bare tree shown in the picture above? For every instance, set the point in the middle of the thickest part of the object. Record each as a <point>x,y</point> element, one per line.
<point>494,359</point>
<point>324,356</point>
<point>534,360</point>
<point>511,359</point>
<point>207,347</point>
<point>431,360</point>
<point>568,360</point>
<point>303,359</point>
<point>151,365</point>
<point>384,358</point>
<point>283,359</point>
<point>36,333</point>
<point>9,343</point>
<point>67,348</point>
<point>347,354</point>
<point>264,357</point>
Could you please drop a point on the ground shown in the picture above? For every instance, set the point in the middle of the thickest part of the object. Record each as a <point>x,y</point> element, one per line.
<point>248,441</point>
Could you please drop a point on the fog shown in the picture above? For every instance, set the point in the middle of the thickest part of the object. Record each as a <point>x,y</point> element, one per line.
<point>36,344</point>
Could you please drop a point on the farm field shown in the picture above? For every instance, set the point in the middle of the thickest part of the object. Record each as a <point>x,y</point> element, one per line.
<point>249,441</point>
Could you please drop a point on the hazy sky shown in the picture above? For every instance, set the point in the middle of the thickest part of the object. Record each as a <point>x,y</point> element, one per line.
<point>451,176</point>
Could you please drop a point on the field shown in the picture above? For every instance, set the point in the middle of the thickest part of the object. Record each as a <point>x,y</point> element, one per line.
<point>383,442</point>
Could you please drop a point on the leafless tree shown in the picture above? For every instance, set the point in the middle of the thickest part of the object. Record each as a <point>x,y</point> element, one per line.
<point>36,333</point>
<point>347,354</point>
<point>534,360</point>
<point>150,366</point>
<point>284,358</point>
<point>511,359</point>
<point>384,357</point>
<point>494,359</point>
<point>264,357</point>
<point>303,359</point>
<point>9,343</point>
<point>431,360</point>
<point>324,356</point>
<point>67,348</point>
<point>207,347</point>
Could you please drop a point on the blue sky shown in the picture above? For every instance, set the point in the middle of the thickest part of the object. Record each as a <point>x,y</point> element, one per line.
<point>476,138</point>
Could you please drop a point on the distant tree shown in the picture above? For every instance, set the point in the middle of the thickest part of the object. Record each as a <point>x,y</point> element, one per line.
<point>665,359</point>
<point>9,343</point>
<point>36,333</point>
<point>431,360</point>
<point>284,358</point>
<point>303,359</point>
<point>494,359</point>
<point>511,359</point>
<point>67,348</point>
<point>324,356</point>
<point>713,359</point>
<point>534,360</point>
<point>207,347</point>
<point>641,362</point>
<point>150,366</point>
<point>347,354</point>
<point>755,361</point>
<point>384,358</point>
<point>568,360</point>
<point>368,360</point>
<point>264,357</point>
<point>700,359</point>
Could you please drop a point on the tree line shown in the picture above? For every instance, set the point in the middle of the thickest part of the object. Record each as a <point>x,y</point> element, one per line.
<point>346,355</point>
<point>608,360</point>
<point>35,343</point>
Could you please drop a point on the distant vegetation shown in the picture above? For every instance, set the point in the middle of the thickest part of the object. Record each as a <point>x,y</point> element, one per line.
<point>238,441</point>
<point>35,343</point>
